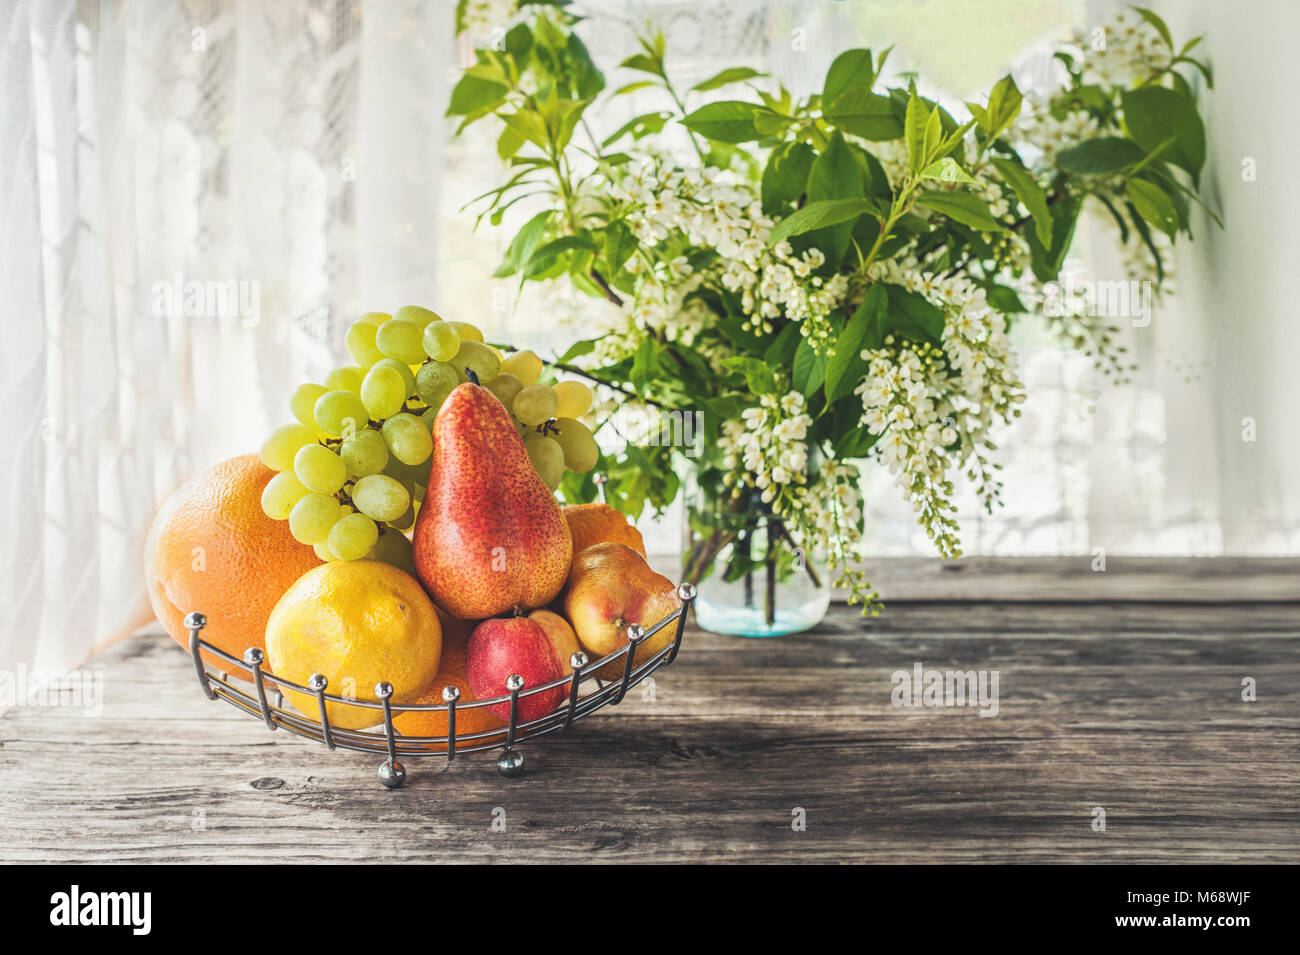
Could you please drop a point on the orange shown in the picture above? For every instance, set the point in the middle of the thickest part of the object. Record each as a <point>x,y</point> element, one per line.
<point>358,623</point>
<point>451,671</point>
<point>601,524</point>
<point>211,549</point>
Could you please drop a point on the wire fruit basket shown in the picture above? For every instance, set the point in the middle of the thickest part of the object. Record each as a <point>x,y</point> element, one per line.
<point>267,701</point>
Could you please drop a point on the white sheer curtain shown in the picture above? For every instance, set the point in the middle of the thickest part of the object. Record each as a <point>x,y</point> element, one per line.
<point>300,148</point>
<point>223,142</point>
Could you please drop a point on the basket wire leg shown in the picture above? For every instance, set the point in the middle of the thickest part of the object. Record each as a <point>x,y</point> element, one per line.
<point>195,622</point>
<point>317,684</point>
<point>254,656</point>
<point>577,662</point>
<point>391,773</point>
<point>635,634</point>
<point>687,594</point>
<point>511,762</point>
<point>450,694</point>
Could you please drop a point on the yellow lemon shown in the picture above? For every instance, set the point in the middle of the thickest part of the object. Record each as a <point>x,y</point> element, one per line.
<point>359,623</point>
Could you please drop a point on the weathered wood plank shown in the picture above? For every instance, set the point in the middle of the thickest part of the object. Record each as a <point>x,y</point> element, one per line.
<point>1132,707</point>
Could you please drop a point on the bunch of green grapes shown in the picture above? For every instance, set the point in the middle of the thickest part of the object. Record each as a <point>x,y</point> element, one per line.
<point>546,416</point>
<point>354,466</point>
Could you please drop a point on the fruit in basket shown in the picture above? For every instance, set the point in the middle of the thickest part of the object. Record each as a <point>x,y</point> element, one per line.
<point>451,672</point>
<point>504,646</point>
<point>212,549</point>
<point>563,640</point>
<point>357,622</point>
<point>611,586</point>
<point>598,523</point>
<point>490,536</point>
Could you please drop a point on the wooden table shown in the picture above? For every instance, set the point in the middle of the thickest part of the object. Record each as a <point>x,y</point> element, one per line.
<point>1135,708</point>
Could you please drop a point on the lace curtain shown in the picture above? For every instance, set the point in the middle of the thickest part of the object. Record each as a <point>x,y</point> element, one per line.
<point>298,150</point>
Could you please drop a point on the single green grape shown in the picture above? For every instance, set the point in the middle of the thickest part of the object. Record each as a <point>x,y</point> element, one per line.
<point>547,457</point>
<point>360,341</point>
<point>402,340</point>
<point>303,401</point>
<point>313,516</point>
<point>524,365</point>
<point>283,443</point>
<point>340,413</point>
<point>572,398</point>
<point>416,313</point>
<point>281,493</point>
<point>394,547</point>
<point>383,392</point>
<point>408,376</point>
<point>408,438</point>
<point>323,551</point>
<point>344,379</point>
<point>441,340</point>
<point>580,449</point>
<point>428,416</point>
<point>375,318</point>
<point>353,537</point>
<point>364,453</point>
<point>319,469</point>
<point>409,474</point>
<point>435,381</point>
<point>478,358</point>
<point>380,497</point>
<point>468,332</point>
<point>505,386</point>
<point>534,404</point>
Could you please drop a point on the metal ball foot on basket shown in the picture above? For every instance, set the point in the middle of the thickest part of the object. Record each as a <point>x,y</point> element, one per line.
<point>270,706</point>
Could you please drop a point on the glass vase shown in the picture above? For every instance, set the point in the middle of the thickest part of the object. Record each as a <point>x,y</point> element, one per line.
<point>752,579</point>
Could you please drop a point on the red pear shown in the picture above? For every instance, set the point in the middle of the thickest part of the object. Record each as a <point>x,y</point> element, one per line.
<point>490,538</point>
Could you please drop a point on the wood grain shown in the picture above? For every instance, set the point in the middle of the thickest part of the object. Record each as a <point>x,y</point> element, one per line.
<point>1133,707</point>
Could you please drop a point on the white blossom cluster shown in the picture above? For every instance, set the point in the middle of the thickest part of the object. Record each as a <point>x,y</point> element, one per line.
<point>481,17</point>
<point>767,447</point>
<point>935,406</point>
<point>1125,53</point>
<point>712,210</point>
<point>1046,136</point>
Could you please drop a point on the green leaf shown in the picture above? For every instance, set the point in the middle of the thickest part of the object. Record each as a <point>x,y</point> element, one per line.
<point>782,350</point>
<point>641,363</point>
<point>620,243</point>
<point>947,169</point>
<point>962,207</point>
<point>523,244</point>
<point>852,69</point>
<point>1154,205</point>
<point>727,121</point>
<point>834,175</point>
<point>639,126</point>
<point>1030,194</point>
<point>1047,259</point>
<point>863,113</point>
<point>644,63</point>
<point>736,74</point>
<point>786,176</point>
<point>1158,24</point>
<point>529,125</point>
<point>808,370</point>
<point>633,87</point>
<point>911,315</point>
<point>758,376</point>
<point>845,366</point>
<point>579,348</point>
<point>915,122</point>
<point>1152,114</point>
<point>1097,157</point>
<point>474,93</point>
<point>1005,100</point>
<point>545,257</point>
<point>819,215</point>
